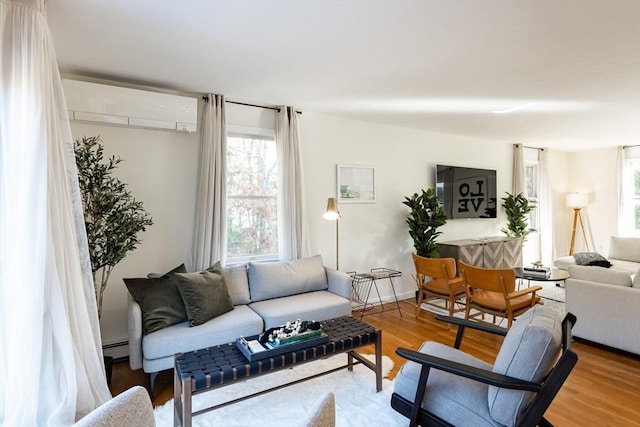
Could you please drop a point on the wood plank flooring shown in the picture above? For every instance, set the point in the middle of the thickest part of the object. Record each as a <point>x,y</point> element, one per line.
<point>602,390</point>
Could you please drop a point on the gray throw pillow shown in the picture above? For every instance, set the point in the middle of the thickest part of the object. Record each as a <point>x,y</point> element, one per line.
<point>159,300</point>
<point>205,295</point>
<point>585,258</point>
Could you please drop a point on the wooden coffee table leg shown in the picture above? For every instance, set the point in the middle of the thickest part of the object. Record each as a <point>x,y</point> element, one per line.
<point>350,361</point>
<point>182,402</point>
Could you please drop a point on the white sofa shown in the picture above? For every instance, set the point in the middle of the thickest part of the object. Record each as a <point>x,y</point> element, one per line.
<point>264,295</point>
<point>606,301</point>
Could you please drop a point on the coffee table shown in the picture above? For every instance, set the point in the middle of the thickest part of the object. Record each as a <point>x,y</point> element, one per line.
<point>557,275</point>
<point>203,370</point>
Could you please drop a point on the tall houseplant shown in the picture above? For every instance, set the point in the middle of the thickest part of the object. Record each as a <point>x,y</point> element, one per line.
<point>517,207</point>
<point>113,217</point>
<point>426,215</point>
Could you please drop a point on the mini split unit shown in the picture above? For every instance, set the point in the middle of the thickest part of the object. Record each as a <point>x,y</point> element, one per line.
<point>94,102</point>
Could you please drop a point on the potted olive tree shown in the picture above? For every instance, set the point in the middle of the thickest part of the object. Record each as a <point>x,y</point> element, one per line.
<point>113,217</point>
<point>425,216</point>
<point>517,208</point>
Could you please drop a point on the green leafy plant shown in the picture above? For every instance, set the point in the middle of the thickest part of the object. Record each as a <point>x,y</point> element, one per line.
<point>113,217</point>
<point>426,215</point>
<point>517,209</point>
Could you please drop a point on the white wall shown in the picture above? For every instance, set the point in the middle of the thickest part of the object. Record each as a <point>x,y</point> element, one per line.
<point>594,172</point>
<point>375,234</point>
<point>161,170</point>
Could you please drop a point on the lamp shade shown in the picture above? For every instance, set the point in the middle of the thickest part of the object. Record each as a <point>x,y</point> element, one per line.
<point>577,200</point>
<point>332,209</point>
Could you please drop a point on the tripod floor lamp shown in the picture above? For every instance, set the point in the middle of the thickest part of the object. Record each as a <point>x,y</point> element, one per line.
<point>332,213</point>
<point>577,201</point>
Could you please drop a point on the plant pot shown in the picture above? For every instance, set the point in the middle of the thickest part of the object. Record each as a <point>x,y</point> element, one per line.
<point>108,368</point>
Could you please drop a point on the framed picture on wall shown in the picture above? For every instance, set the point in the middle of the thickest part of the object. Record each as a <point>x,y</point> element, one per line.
<point>356,184</point>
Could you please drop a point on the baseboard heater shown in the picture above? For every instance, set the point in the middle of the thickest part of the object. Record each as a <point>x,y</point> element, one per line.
<point>118,350</point>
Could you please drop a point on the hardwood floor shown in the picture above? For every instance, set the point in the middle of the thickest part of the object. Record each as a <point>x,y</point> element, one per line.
<point>602,390</point>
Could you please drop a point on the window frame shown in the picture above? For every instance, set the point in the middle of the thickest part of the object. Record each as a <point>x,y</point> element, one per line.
<point>248,132</point>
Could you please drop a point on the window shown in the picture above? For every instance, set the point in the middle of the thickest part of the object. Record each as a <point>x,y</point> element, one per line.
<point>531,192</point>
<point>631,197</point>
<point>252,197</point>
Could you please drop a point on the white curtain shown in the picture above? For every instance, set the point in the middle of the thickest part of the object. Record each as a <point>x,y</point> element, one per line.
<point>210,233</point>
<point>620,160</point>
<point>292,242</point>
<point>545,215</point>
<point>519,180</point>
<point>51,367</point>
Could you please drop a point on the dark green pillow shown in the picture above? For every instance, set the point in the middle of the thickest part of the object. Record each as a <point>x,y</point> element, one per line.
<point>159,300</point>
<point>205,295</point>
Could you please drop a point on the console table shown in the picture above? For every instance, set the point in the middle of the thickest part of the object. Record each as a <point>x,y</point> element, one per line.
<point>490,252</point>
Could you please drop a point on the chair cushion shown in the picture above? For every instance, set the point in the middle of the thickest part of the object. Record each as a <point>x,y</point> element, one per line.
<point>528,352</point>
<point>457,400</point>
<point>269,280</point>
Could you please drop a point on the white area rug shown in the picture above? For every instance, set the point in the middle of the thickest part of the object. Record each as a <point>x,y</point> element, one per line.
<point>357,403</point>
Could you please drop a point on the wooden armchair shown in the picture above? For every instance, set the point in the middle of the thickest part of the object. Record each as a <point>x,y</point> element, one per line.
<point>492,291</point>
<point>445,286</point>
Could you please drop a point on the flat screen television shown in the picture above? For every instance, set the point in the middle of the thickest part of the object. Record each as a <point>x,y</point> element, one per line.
<point>466,192</point>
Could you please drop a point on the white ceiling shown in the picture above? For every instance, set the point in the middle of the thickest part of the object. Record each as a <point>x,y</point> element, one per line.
<point>573,67</point>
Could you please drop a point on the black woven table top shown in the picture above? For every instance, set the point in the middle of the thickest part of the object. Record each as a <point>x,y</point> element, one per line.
<point>214,366</point>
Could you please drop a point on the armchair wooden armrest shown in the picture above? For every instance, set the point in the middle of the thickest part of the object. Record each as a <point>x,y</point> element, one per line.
<point>531,290</point>
<point>465,323</point>
<point>482,375</point>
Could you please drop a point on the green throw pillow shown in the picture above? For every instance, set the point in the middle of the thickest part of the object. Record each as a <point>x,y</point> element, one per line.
<point>159,300</point>
<point>205,295</point>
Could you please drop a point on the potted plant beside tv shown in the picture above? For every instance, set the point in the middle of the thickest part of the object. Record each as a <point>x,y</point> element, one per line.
<point>517,208</point>
<point>425,217</point>
<point>113,217</point>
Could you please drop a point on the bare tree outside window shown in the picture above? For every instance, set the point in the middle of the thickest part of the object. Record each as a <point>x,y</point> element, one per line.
<point>252,198</point>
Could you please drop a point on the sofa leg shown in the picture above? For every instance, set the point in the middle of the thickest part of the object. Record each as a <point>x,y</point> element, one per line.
<point>152,380</point>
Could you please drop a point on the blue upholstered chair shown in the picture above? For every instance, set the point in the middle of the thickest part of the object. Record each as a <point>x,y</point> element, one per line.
<point>454,388</point>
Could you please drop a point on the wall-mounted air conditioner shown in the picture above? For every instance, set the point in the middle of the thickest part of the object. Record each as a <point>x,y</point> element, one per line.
<point>94,102</point>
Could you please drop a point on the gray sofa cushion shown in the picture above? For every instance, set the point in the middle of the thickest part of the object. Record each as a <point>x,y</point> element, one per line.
<point>624,248</point>
<point>528,352</point>
<point>237,283</point>
<point>458,400</point>
<point>602,275</point>
<point>241,321</point>
<point>319,305</point>
<point>273,280</point>
<point>636,279</point>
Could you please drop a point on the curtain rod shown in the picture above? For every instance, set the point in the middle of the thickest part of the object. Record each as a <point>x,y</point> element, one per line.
<point>531,148</point>
<point>206,98</point>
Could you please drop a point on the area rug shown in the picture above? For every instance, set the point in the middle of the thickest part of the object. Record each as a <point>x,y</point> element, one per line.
<point>357,403</point>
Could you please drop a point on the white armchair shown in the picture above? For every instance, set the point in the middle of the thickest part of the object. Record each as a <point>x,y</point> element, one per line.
<point>130,408</point>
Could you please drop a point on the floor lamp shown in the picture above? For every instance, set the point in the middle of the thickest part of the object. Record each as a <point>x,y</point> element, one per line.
<point>577,201</point>
<point>332,213</point>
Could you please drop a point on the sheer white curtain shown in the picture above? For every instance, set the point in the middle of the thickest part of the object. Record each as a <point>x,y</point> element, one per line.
<point>519,182</point>
<point>292,242</point>
<point>545,206</point>
<point>626,218</point>
<point>210,233</point>
<point>51,366</point>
